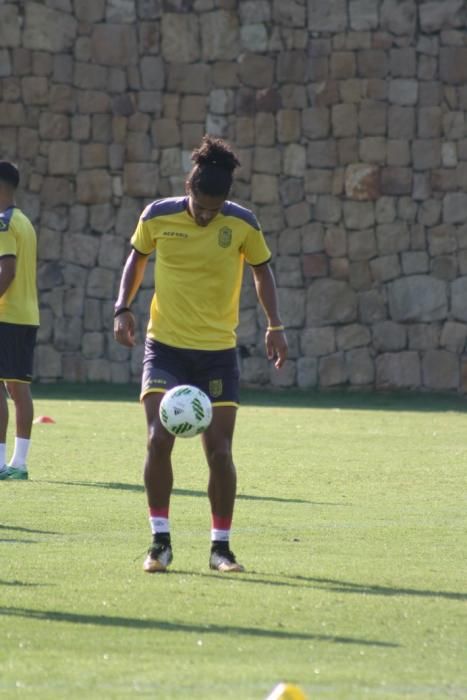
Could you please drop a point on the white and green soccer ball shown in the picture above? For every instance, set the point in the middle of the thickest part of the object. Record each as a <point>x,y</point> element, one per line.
<point>185,411</point>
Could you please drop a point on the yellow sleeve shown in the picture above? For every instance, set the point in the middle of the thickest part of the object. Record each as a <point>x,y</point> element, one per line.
<point>7,241</point>
<point>254,248</point>
<point>144,239</point>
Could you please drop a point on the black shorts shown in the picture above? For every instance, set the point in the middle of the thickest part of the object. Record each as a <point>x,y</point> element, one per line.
<point>215,372</point>
<point>17,344</point>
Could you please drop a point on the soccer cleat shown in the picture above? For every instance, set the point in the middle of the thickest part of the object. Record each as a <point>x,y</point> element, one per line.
<point>223,559</point>
<point>14,473</point>
<point>158,559</point>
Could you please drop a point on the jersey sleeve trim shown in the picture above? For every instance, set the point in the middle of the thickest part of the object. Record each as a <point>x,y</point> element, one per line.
<point>239,212</point>
<point>268,260</point>
<point>139,252</point>
<point>5,218</point>
<point>164,207</point>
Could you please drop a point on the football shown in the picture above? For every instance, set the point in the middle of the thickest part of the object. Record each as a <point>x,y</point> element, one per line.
<point>185,411</point>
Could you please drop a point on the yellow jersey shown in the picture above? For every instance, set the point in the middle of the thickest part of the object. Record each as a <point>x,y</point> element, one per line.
<point>18,238</point>
<point>198,271</point>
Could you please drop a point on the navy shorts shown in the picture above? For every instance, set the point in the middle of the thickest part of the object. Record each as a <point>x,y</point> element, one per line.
<point>215,372</point>
<point>17,343</point>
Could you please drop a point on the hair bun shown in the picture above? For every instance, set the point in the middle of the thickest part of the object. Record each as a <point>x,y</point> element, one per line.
<point>215,152</point>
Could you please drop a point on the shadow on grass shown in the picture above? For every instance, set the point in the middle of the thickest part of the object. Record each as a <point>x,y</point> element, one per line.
<point>330,399</point>
<point>18,541</point>
<point>164,626</point>
<point>23,584</point>
<point>139,488</point>
<point>337,586</point>
<point>27,529</point>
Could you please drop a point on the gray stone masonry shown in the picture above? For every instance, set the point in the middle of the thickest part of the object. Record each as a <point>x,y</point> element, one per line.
<point>350,121</point>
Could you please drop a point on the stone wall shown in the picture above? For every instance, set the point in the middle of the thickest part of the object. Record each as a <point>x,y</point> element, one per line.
<point>350,121</point>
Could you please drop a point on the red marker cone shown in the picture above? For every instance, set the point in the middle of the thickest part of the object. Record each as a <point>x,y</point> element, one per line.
<point>43,419</point>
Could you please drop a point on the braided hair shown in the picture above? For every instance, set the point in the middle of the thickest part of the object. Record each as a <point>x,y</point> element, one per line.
<point>214,164</point>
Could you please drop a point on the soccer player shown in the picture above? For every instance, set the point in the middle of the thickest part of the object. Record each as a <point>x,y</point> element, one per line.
<point>19,320</point>
<point>201,242</point>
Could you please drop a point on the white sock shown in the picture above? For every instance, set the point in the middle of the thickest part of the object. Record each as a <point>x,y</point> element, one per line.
<point>159,524</point>
<point>21,452</point>
<point>219,535</point>
<point>2,454</point>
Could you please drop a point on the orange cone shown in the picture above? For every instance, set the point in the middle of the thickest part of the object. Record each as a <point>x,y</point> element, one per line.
<point>43,419</point>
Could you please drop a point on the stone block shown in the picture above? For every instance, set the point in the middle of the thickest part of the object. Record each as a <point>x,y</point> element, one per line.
<point>403,91</point>
<point>256,71</point>
<point>180,37</point>
<point>385,268</point>
<point>332,370</point>
<point>398,370</point>
<point>254,37</point>
<point>165,133</point>
<point>292,67</point>
<point>353,90</point>
<point>342,65</point>
<point>328,17</point>
<point>440,370</point>
<point>442,239</point>
<point>288,125</point>
<point>93,187</point>
<point>292,304</point>
<point>392,238</point>
<point>423,336</point>
<point>418,298</point>
<point>315,265</point>
<point>352,336</point>
<point>415,262</point>
<point>360,367</point>
<point>315,342</point>
<point>454,336</point>
<point>360,275</point>
<point>430,93</point>
<point>389,336</point>
<point>371,307</point>
<point>453,65</point>
<point>285,377</point>
<point>322,154</point>
<point>455,208</point>
<point>339,268</point>
<point>56,191</point>
<point>335,241</point>
<point>458,296</point>
<point>264,189</point>
<point>396,181</point>
<point>363,15</point>
<point>63,158</point>
<point>429,122</point>
<point>399,17</point>
<point>316,122</point>
<point>372,63</point>
<point>294,160</point>
<point>362,181</point>
<point>313,238</point>
<point>435,16</point>
<point>35,90</point>
<point>297,214</point>
<point>327,209</point>
<point>307,372</point>
<point>403,62</point>
<point>330,301</point>
<point>344,120</point>
<point>140,179</point>
<point>220,36</point>
<point>152,73</point>
<point>359,215</point>
<point>46,29</point>
<point>347,150</point>
<point>373,149</point>
<point>426,154</point>
<point>114,44</point>
<point>401,122</point>
<point>372,118</point>
<point>255,371</point>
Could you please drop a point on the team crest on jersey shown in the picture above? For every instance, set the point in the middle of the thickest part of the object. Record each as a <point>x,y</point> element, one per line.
<point>225,237</point>
<point>215,388</point>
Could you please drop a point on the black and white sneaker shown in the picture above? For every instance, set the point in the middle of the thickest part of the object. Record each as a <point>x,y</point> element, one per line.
<point>223,559</point>
<point>159,557</point>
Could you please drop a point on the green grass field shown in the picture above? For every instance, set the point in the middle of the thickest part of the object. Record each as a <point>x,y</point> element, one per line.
<point>351,520</point>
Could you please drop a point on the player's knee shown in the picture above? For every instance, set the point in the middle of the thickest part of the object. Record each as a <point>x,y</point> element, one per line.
<point>219,457</point>
<point>159,440</point>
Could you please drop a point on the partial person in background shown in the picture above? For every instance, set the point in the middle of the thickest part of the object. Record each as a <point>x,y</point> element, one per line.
<point>19,320</point>
<point>201,241</point>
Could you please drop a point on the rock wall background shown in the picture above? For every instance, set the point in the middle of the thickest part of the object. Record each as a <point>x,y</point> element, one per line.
<point>350,121</point>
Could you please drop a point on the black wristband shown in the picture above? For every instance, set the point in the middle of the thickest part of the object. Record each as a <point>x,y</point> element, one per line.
<point>121,310</point>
